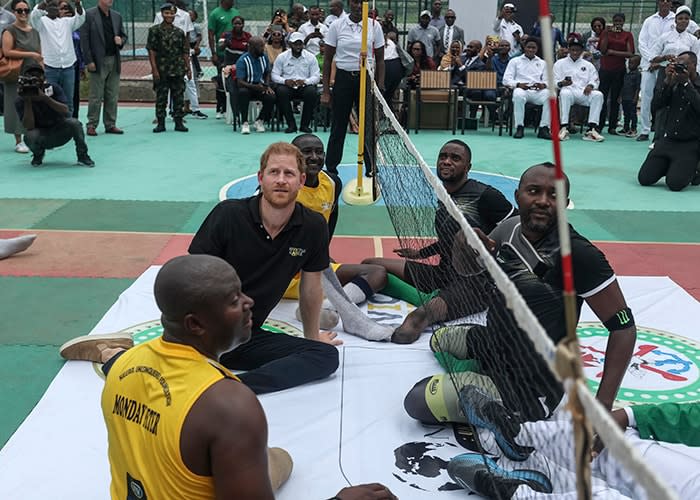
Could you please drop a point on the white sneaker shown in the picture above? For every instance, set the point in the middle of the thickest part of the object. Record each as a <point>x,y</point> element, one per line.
<point>21,148</point>
<point>259,126</point>
<point>219,115</point>
<point>245,128</point>
<point>593,135</point>
<point>564,133</point>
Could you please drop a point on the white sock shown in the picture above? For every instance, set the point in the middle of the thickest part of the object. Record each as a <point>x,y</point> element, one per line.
<point>12,246</point>
<point>354,293</point>
<point>328,319</point>
<point>355,321</point>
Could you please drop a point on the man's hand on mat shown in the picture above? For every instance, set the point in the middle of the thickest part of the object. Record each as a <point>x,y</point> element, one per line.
<point>374,491</point>
<point>329,338</point>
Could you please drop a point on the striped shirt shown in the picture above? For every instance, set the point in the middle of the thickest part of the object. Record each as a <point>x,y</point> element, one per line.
<point>252,69</point>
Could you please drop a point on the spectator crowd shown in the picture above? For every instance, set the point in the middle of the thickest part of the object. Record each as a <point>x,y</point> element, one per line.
<point>602,76</point>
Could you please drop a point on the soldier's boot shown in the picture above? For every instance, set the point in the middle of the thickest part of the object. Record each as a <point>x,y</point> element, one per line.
<point>160,127</point>
<point>180,126</point>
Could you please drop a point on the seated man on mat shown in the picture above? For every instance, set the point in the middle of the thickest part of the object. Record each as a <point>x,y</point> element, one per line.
<point>483,206</point>
<point>269,238</point>
<point>197,432</point>
<point>320,193</point>
<point>508,370</point>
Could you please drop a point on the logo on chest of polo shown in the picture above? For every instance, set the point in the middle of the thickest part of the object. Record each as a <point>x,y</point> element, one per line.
<point>297,252</point>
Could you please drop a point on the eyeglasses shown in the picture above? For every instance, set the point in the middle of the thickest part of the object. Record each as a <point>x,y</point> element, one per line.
<point>450,17</point>
<point>22,11</point>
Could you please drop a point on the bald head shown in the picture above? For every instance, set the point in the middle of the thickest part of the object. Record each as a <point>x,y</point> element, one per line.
<point>256,46</point>
<point>191,283</point>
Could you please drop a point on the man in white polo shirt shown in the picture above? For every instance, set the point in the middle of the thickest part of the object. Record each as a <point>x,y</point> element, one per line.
<point>313,30</point>
<point>653,27</point>
<point>506,28</point>
<point>578,83</point>
<point>344,41</point>
<point>296,74</point>
<point>56,35</point>
<point>336,12</point>
<point>526,75</point>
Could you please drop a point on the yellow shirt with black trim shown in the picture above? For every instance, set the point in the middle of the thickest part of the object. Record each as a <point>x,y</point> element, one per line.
<point>148,392</point>
<point>321,198</point>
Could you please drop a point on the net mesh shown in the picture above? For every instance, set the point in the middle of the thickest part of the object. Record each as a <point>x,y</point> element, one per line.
<point>497,350</point>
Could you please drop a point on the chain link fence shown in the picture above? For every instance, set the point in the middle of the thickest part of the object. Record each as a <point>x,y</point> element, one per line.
<point>138,15</point>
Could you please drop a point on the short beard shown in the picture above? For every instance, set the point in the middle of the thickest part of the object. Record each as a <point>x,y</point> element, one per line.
<point>538,228</point>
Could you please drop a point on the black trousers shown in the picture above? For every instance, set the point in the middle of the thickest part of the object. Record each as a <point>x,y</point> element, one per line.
<point>308,94</point>
<point>392,77</point>
<point>38,140</point>
<point>629,108</point>
<point>345,96</point>
<point>276,361</point>
<point>676,160</point>
<point>76,91</point>
<point>220,92</point>
<point>244,97</point>
<point>611,87</point>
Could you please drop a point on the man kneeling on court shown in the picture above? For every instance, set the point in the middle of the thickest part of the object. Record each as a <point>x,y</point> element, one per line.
<point>197,432</point>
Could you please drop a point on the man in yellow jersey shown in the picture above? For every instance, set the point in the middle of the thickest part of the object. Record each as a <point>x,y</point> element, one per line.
<point>179,424</point>
<point>320,193</point>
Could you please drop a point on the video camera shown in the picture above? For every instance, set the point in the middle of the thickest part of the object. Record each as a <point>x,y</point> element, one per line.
<point>28,86</point>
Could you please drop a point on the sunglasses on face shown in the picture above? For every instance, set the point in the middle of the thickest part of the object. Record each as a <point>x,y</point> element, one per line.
<point>22,11</point>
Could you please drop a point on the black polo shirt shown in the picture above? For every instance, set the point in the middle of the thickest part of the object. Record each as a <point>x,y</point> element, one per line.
<point>110,47</point>
<point>234,231</point>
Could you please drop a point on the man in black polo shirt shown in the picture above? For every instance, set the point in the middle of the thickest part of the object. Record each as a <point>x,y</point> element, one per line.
<point>44,114</point>
<point>484,207</point>
<point>675,155</point>
<point>513,379</point>
<point>269,238</point>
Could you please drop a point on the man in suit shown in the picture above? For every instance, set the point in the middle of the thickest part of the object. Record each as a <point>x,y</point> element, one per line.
<point>449,33</point>
<point>101,38</point>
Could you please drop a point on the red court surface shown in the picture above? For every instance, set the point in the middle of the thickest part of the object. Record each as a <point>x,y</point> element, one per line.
<point>82,254</point>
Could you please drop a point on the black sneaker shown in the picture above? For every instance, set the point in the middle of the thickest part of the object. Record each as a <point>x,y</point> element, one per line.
<point>159,128</point>
<point>306,130</point>
<point>198,115</point>
<point>519,132</point>
<point>37,159</point>
<point>544,134</point>
<point>483,411</point>
<point>481,474</point>
<point>290,130</point>
<point>642,137</point>
<point>86,160</point>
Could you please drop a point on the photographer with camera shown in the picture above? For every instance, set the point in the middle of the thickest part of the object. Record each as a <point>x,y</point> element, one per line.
<point>44,114</point>
<point>675,155</point>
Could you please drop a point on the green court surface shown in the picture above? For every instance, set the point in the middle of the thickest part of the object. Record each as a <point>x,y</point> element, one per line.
<point>165,184</point>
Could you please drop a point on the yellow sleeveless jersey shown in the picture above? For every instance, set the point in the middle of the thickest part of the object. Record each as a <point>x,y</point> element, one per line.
<point>147,395</point>
<point>320,198</point>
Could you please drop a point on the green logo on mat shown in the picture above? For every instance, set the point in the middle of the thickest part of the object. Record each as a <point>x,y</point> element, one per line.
<point>664,366</point>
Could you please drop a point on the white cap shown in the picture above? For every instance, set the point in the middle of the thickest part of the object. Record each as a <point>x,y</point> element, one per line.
<point>425,13</point>
<point>684,8</point>
<point>509,6</point>
<point>296,37</point>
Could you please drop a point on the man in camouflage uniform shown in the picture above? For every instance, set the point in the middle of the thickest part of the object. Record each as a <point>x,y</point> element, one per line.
<point>169,55</point>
